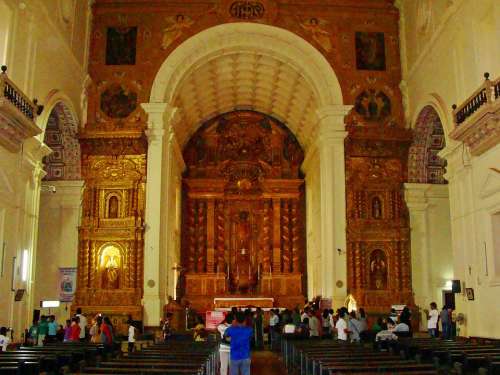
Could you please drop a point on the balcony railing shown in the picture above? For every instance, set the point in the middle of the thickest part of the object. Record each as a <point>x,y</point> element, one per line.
<point>487,94</point>
<point>477,120</point>
<point>18,114</point>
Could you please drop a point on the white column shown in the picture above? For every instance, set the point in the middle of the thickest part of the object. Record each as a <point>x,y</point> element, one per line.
<point>416,201</point>
<point>329,149</point>
<point>159,115</point>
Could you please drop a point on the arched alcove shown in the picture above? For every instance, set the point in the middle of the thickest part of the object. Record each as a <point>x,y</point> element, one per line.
<point>424,164</point>
<point>61,136</point>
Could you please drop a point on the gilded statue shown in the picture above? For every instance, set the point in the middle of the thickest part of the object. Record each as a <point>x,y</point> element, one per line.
<point>110,267</point>
<point>378,270</point>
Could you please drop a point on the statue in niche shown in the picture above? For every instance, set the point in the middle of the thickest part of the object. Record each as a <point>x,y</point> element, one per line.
<point>110,268</point>
<point>378,270</point>
<point>376,208</point>
<point>316,26</point>
<point>113,207</point>
<point>175,28</point>
<point>243,267</point>
<point>243,233</point>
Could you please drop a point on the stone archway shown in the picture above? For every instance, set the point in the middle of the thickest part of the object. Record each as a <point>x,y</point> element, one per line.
<point>254,67</point>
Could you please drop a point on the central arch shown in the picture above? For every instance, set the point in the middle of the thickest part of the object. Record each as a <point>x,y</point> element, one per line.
<point>252,67</point>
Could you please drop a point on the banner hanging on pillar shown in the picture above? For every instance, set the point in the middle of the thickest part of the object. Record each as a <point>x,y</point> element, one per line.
<point>67,283</point>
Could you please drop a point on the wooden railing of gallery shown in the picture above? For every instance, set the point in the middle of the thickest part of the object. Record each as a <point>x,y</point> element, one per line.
<point>486,95</point>
<point>14,95</point>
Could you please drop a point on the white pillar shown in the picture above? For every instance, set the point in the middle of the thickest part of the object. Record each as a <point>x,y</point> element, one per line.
<point>329,153</point>
<point>159,115</point>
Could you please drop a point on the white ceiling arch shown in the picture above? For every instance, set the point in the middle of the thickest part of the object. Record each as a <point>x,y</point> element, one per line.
<point>247,65</point>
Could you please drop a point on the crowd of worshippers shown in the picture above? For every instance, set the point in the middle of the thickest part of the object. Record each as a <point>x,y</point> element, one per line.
<point>46,330</point>
<point>311,322</point>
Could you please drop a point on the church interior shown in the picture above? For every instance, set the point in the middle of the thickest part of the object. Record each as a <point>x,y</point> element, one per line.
<point>163,155</point>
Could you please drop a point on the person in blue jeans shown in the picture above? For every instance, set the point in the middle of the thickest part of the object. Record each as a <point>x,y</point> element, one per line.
<point>240,336</point>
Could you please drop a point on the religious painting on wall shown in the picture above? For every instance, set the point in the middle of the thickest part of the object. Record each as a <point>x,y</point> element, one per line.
<point>372,105</point>
<point>118,102</point>
<point>370,51</point>
<point>121,45</point>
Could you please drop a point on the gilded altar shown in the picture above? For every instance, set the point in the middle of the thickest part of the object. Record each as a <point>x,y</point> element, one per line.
<point>243,222</point>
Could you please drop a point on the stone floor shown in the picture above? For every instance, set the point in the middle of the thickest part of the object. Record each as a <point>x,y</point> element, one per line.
<point>267,363</point>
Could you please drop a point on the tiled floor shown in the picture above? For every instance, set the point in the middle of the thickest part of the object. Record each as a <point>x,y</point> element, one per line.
<point>267,363</point>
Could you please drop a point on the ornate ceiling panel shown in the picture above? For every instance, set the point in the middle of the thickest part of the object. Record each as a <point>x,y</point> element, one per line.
<point>246,80</point>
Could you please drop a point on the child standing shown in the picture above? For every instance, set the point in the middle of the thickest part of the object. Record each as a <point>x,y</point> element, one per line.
<point>131,336</point>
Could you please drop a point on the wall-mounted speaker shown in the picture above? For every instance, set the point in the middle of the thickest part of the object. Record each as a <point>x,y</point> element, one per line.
<point>455,286</point>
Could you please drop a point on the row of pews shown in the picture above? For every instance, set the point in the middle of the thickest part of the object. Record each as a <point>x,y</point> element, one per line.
<point>329,357</point>
<point>459,357</point>
<point>49,359</point>
<point>173,358</point>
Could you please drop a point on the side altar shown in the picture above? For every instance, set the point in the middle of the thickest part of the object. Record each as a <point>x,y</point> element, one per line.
<point>243,212</point>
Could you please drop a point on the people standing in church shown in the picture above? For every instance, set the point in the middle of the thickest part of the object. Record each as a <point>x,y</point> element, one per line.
<point>33,333</point>
<point>224,347</point>
<point>354,327</point>
<point>341,326</point>
<point>240,336</point>
<point>43,330</point>
<point>82,321</point>
<point>313,325</point>
<point>52,329</point>
<point>199,330</point>
<point>305,313</point>
<point>67,331</point>
<point>131,336</point>
<point>432,319</point>
<point>258,326</point>
<point>75,330</point>
<point>325,323</point>
<point>274,321</point>
<point>95,330</point>
<point>296,318</point>
<point>445,318</point>
<point>4,339</point>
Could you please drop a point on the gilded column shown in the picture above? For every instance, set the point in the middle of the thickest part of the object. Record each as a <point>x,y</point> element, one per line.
<point>210,235</point>
<point>277,235</point>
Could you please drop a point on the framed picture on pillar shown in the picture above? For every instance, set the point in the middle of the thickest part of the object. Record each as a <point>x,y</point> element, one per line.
<point>470,293</point>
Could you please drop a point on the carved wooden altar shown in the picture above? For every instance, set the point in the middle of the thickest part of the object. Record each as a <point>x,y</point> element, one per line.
<point>243,218</point>
<point>378,233</point>
<point>110,257</point>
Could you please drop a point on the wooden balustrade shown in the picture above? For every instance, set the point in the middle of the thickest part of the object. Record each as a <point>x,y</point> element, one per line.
<point>488,93</point>
<point>476,119</point>
<point>14,95</point>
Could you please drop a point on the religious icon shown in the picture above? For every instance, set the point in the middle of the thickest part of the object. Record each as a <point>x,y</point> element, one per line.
<point>370,51</point>
<point>378,270</point>
<point>113,207</point>
<point>373,105</point>
<point>121,45</point>
<point>175,28</point>
<point>376,208</point>
<point>316,26</point>
<point>110,267</point>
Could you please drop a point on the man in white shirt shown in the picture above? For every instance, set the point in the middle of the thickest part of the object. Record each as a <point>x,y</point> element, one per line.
<point>273,325</point>
<point>82,322</point>
<point>432,320</point>
<point>131,336</point>
<point>4,339</point>
<point>341,327</point>
<point>313,325</point>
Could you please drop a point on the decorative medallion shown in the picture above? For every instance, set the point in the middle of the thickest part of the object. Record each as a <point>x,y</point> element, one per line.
<point>247,10</point>
<point>118,102</point>
<point>373,105</point>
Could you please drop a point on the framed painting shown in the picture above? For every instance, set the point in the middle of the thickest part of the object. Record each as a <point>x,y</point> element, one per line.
<point>470,294</point>
<point>121,45</point>
<point>370,51</point>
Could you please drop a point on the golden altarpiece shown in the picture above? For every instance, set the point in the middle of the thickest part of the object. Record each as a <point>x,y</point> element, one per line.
<point>243,211</point>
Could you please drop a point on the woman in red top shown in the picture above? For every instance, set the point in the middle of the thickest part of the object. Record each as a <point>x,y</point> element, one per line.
<point>75,330</point>
<point>106,332</point>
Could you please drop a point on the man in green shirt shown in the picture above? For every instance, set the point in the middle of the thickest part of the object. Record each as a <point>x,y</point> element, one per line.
<point>43,330</point>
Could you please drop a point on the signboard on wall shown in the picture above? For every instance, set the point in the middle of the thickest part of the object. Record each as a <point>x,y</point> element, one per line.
<point>67,283</point>
<point>213,319</point>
